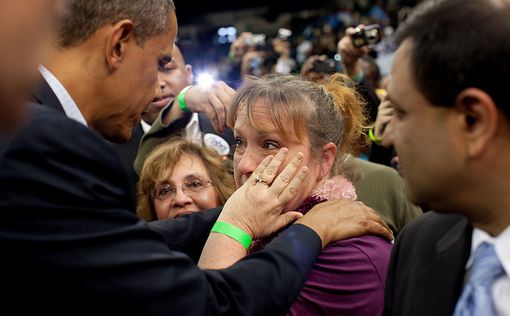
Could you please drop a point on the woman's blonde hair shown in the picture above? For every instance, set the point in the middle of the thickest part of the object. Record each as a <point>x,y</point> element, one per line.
<point>159,166</point>
<point>331,112</point>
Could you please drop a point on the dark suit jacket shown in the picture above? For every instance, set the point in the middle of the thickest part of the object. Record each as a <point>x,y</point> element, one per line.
<point>44,95</point>
<point>127,154</point>
<point>427,266</point>
<point>71,245</point>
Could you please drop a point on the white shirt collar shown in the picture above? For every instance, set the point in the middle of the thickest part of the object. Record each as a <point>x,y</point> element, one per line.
<point>500,242</point>
<point>70,108</point>
<point>145,126</point>
<point>193,132</point>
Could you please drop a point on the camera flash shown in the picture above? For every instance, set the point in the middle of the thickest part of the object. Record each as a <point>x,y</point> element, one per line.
<point>205,80</point>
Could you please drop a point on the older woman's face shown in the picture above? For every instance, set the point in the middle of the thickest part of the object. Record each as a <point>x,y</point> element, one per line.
<point>252,146</point>
<point>192,186</point>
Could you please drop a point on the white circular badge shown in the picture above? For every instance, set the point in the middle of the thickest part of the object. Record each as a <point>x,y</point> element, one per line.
<point>218,143</point>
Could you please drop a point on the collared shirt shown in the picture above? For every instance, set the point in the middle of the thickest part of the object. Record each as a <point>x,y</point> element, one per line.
<point>145,126</point>
<point>193,132</point>
<point>501,287</point>
<point>70,108</point>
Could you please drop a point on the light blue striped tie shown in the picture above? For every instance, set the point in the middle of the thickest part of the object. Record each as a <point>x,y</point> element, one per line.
<point>476,298</point>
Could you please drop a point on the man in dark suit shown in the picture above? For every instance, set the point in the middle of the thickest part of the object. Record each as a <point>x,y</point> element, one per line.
<point>69,241</point>
<point>451,131</point>
<point>52,92</point>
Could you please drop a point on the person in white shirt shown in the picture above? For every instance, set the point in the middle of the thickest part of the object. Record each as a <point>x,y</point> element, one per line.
<point>173,77</point>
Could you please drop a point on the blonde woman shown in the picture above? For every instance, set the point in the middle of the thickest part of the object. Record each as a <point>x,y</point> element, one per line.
<point>325,123</point>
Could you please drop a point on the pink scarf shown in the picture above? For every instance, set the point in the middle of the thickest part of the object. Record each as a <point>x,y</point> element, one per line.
<point>335,188</point>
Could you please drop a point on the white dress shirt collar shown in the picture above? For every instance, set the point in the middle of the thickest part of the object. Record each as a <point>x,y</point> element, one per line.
<point>70,108</point>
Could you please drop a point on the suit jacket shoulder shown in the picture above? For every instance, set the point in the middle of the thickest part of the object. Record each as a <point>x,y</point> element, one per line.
<point>427,266</point>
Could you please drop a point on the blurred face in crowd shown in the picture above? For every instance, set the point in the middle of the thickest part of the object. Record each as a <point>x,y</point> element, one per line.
<point>189,189</point>
<point>252,145</point>
<point>239,47</point>
<point>134,84</point>
<point>424,137</point>
<point>25,27</point>
<point>174,77</point>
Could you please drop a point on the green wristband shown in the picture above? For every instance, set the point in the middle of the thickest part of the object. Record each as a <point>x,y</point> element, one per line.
<point>180,98</point>
<point>373,138</point>
<point>233,232</point>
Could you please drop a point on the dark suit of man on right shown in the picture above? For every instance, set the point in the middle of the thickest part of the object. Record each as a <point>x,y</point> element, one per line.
<point>451,128</point>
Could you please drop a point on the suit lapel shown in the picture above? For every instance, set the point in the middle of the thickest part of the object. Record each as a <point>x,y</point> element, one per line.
<point>442,280</point>
<point>43,94</point>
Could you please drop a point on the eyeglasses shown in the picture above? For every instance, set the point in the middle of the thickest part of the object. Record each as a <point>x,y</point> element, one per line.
<point>192,186</point>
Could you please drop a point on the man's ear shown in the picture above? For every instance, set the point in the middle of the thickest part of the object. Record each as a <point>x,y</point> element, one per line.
<point>189,72</point>
<point>328,154</point>
<point>479,119</point>
<point>120,34</point>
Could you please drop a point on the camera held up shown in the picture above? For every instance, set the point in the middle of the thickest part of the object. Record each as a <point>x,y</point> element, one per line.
<point>369,35</point>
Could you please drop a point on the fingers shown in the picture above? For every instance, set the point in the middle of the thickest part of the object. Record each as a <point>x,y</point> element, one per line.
<point>285,219</point>
<point>290,190</point>
<point>214,104</point>
<point>381,229</point>
<point>226,89</point>
<point>381,221</point>
<point>289,176</point>
<point>219,113</point>
<point>213,101</point>
<point>269,173</point>
<point>376,224</point>
<point>260,168</point>
<point>210,112</point>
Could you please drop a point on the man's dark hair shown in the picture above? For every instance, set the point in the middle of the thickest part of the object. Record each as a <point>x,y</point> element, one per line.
<point>457,44</point>
<point>85,17</point>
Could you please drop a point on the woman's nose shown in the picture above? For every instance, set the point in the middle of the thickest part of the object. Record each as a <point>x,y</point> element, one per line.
<point>181,198</point>
<point>248,161</point>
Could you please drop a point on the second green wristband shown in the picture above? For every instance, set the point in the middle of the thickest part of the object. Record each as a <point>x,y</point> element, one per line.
<point>233,232</point>
<point>180,98</point>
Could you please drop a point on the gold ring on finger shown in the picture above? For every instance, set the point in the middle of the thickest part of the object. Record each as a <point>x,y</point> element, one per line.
<point>260,180</point>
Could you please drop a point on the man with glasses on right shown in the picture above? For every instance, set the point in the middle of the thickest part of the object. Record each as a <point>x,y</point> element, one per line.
<point>451,128</point>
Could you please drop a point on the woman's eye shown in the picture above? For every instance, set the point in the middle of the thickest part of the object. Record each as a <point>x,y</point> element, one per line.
<point>195,184</point>
<point>239,143</point>
<point>165,190</point>
<point>270,146</point>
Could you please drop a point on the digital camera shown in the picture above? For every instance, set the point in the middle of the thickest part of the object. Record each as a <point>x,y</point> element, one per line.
<point>369,35</point>
<point>324,66</point>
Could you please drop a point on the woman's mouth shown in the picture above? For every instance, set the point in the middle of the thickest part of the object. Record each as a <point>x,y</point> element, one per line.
<point>179,214</point>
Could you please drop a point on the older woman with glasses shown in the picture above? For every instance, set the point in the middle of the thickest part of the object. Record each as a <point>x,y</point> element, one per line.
<point>180,177</point>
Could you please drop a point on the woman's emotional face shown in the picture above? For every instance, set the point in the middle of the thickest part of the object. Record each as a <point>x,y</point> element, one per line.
<point>252,145</point>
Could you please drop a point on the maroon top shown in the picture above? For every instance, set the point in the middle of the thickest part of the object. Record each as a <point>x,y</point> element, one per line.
<point>347,279</point>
